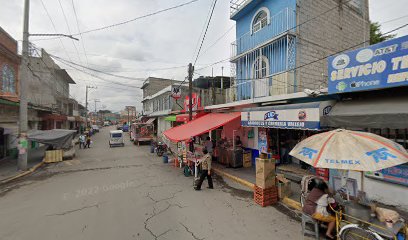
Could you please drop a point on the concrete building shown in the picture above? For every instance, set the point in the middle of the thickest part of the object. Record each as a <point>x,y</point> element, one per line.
<point>49,88</point>
<point>9,99</point>
<point>281,45</point>
<point>129,114</point>
<point>151,86</point>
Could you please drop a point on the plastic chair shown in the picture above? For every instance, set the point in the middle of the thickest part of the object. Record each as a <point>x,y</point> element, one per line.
<point>307,219</point>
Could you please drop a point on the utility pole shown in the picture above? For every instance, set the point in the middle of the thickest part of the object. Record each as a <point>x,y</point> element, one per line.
<point>23,128</point>
<point>190,91</point>
<point>86,104</point>
<point>96,100</point>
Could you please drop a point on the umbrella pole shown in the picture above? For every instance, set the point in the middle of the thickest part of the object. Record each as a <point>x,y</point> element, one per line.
<point>362,181</point>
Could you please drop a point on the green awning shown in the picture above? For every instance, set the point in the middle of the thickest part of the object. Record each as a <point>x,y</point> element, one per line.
<point>170,118</point>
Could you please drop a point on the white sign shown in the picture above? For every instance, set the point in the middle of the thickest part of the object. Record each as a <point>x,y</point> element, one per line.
<point>300,116</point>
<point>175,92</point>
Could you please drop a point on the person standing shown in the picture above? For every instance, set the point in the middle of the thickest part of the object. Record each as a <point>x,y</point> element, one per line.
<point>81,141</point>
<point>205,163</point>
<point>88,140</point>
<point>209,146</point>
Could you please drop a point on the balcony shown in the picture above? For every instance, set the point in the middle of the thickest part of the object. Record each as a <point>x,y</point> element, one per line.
<point>279,25</point>
<point>237,5</point>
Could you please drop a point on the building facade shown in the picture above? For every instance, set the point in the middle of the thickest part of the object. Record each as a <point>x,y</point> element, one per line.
<point>48,86</point>
<point>281,46</point>
<point>150,87</point>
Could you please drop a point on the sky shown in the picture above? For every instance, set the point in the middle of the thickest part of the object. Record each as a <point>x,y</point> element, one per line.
<point>161,45</point>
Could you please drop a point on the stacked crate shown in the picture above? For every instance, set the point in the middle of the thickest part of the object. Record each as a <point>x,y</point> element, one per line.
<point>265,196</point>
<point>265,191</point>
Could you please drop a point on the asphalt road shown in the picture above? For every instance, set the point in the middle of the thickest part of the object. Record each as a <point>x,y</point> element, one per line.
<point>127,193</point>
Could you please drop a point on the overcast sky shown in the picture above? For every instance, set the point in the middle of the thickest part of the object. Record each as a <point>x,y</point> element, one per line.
<point>161,45</point>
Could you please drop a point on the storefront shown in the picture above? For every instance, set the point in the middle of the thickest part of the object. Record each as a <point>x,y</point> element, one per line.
<point>277,129</point>
<point>386,115</point>
<point>219,126</point>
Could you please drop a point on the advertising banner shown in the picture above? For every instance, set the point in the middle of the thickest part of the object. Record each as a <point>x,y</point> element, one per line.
<point>382,65</point>
<point>397,174</point>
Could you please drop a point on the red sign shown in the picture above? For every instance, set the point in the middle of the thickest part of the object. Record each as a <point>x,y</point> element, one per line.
<point>196,102</point>
<point>323,173</point>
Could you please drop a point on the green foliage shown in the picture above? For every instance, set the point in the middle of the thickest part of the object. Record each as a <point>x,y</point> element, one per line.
<point>376,36</point>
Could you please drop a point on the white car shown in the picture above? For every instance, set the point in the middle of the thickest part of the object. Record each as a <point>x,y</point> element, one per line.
<point>116,138</point>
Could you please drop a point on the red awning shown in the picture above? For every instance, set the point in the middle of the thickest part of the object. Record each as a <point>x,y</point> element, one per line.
<point>184,117</point>
<point>200,125</point>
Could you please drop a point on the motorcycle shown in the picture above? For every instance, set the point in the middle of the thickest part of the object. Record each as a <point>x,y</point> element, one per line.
<point>161,149</point>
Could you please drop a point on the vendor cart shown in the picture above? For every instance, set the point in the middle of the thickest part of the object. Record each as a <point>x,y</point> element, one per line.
<point>142,132</point>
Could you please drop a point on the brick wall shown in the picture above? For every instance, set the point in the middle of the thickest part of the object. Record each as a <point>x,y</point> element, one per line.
<point>9,56</point>
<point>334,31</point>
<point>7,41</point>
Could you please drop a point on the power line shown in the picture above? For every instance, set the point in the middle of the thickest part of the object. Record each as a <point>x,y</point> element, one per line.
<point>130,20</point>
<point>69,29</point>
<point>216,41</point>
<point>202,30</point>
<point>55,29</point>
<point>205,33</point>
<point>323,58</point>
<point>95,70</point>
<point>99,78</point>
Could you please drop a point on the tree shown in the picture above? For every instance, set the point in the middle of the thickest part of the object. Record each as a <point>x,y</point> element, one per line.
<point>376,36</point>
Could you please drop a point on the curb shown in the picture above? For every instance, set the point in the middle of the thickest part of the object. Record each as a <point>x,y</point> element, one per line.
<point>31,170</point>
<point>234,178</point>
<point>286,201</point>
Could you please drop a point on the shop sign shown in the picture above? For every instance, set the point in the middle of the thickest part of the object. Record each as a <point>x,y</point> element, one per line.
<point>397,174</point>
<point>176,92</point>
<point>382,65</point>
<point>307,118</point>
<point>196,102</point>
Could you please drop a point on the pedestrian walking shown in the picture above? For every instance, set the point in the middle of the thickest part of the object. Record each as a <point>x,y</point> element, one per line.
<point>88,140</point>
<point>205,163</point>
<point>82,141</point>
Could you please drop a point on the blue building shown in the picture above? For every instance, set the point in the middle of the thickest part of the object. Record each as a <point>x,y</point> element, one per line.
<point>275,37</point>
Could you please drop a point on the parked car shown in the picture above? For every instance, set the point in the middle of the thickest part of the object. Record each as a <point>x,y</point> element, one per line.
<point>95,128</point>
<point>116,138</point>
<point>119,127</point>
<point>125,128</point>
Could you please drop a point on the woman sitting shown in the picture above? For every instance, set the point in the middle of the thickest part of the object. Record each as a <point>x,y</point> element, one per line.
<point>316,205</point>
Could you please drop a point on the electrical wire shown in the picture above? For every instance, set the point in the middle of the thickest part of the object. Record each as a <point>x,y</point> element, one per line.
<point>55,29</point>
<point>205,33</point>
<point>69,30</point>
<point>327,56</point>
<point>216,41</point>
<point>95,70</point>
<point>202,30</point>
<point>130,20</point>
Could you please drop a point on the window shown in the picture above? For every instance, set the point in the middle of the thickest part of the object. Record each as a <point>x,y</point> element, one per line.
<point>260,21</point>
<point>8,79</point>
<point>261,68</point>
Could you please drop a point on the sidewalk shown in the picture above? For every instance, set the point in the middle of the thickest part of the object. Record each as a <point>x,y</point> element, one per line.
<point>247,177</point>
<point>8,166</point>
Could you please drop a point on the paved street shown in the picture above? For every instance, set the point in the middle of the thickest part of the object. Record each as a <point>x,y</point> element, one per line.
<point>128,193</point>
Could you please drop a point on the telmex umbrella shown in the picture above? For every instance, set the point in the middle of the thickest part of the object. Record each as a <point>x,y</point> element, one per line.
<point>350,150</point>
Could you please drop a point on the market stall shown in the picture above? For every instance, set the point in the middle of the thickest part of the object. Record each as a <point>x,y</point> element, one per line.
<point>192,135</point>
<point>358,151</point>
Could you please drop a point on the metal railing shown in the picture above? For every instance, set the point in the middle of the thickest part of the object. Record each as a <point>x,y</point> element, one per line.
<point>280,23</point>
<point>236,5</point>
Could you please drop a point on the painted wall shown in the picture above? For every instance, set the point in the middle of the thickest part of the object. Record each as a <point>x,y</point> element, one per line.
<point>243,24</point>
<point>162,126</point>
